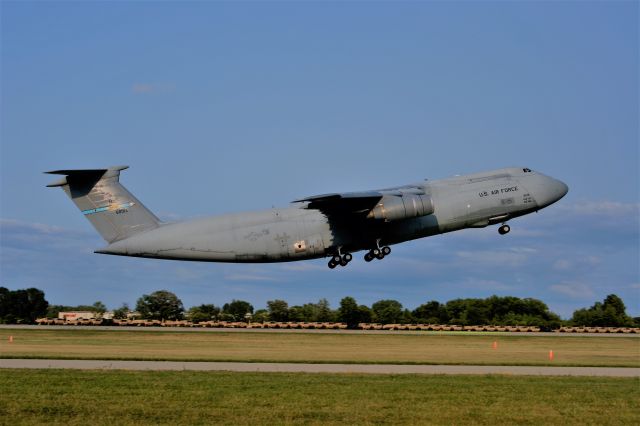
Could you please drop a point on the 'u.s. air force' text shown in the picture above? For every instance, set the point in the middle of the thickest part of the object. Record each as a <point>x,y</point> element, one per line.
<point>498,191</point>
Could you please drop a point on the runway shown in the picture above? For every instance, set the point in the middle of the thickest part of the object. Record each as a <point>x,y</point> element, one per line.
<point>318,368</point>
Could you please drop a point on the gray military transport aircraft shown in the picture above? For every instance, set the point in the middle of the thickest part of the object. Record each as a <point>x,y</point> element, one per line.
<point>331,225</point>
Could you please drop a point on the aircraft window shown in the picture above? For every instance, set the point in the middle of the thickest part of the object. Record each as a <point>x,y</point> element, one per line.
<point>526,170</point>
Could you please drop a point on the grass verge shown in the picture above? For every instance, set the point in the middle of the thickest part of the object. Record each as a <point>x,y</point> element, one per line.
<point>127,397</point>
<point>321,348</point>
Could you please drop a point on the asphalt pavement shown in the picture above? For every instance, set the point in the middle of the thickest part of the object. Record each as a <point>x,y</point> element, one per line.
<point>318,368</point>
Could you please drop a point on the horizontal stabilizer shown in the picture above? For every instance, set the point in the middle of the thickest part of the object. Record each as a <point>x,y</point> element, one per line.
<point>82,174</point>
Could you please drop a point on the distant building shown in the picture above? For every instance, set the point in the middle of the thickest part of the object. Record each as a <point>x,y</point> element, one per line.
<point>76,315</point>
<point>131,315</point>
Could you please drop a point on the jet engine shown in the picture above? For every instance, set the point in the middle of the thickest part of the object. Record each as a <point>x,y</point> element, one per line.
<point>406,206</point>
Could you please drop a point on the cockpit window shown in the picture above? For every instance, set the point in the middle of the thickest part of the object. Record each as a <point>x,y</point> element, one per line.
<point>526,170</point>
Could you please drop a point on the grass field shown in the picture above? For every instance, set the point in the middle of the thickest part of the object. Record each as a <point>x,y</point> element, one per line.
<point>123,397</point>
<point>316,347</point>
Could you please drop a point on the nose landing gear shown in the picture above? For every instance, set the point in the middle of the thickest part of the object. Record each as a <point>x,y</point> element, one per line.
<point>504,229</point>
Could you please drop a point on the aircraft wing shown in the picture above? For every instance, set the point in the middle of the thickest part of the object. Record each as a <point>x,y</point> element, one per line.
<point>348,202</point>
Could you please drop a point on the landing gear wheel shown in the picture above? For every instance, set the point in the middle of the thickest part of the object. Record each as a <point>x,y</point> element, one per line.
<point>504,229</point>
<point>340,259</point>
<point>377,252</point>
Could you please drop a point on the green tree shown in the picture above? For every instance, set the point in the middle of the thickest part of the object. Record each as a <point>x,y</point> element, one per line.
<point>278,310</point>
<point>477,312</point>
<point>366,314</point>
<point>160,305</point>
<point>99,307</point>
<point>609,313</point>
<point>201,313</point>
<point>616,304</point>
<point>511,310</point>
<point>324,312</point>
<point>407,317</point>
<point>5,304</point>
<point>349,312</point>
<point>309,312</point>
<point>121,312</point>
<point>296,313</point>
<point>501,311</point>
<point>224,316</point>
<point>22,306</point>
<point>237,309</point>
<point>261,315</point>
<point>387,311</point>
<point>456,309</point>
<point>431,313</point>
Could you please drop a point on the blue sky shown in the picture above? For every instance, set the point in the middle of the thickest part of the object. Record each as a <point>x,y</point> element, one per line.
<point>224,107</point>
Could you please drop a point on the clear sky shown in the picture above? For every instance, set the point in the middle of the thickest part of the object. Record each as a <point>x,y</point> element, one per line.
<point>223,107</point>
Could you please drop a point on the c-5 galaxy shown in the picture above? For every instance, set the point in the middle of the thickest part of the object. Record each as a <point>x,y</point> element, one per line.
<point>330,225</point>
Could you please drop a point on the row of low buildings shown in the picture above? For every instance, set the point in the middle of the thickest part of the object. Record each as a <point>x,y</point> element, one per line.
<point>83,315</point>
<point>91,318</point>
<point>91,315</point>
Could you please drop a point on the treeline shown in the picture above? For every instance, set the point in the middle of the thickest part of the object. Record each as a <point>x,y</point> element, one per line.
<point>24,306</point>
<point>610,313</point>
<point>494,310</point>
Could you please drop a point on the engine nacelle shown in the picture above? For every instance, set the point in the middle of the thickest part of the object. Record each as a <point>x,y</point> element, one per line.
<point>406,206</point>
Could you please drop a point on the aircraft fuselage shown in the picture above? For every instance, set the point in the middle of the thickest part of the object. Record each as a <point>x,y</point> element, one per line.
<point>299,232</point>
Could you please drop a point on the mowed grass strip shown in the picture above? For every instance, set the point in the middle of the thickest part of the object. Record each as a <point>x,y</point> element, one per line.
<point>126,397</point>
<point>322,348</point>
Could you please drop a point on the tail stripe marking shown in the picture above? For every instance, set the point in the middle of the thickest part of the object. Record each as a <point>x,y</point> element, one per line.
<point>108,208</point>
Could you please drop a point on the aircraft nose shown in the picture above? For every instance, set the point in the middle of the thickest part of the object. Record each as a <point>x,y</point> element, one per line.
<point>551,191</point>
<point>561,188</point>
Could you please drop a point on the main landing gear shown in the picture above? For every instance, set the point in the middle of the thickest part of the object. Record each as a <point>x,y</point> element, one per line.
<point>340,259</point>
<point>377,252</point>
<point>504,229</point>
<point>344,259</point>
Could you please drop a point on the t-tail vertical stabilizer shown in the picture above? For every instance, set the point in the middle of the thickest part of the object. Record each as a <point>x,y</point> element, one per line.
<point>112,210</point>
